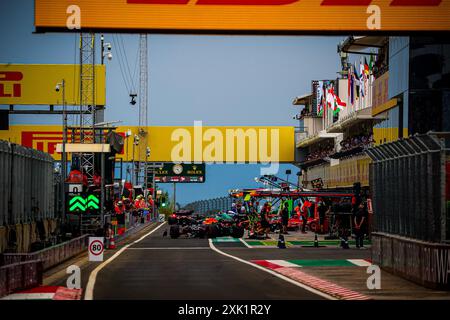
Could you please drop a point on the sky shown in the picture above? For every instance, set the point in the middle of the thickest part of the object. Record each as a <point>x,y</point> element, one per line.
<point>220,80</point>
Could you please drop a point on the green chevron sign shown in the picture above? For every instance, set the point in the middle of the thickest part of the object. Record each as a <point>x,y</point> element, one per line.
<point>77,203</point>
<point>93,202</point>
<point>81,204</point>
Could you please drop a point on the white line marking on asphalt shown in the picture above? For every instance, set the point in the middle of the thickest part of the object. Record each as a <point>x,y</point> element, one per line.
<point>312,290</point>
<point>245,243</point>
<point>172,248</point>
<point>360,262</point>
<point>89,295</point>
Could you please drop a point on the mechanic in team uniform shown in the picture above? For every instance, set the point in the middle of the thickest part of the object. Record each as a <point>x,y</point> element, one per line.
<point>360,224</point>
<point>323,209</point>
<point>264,218</point>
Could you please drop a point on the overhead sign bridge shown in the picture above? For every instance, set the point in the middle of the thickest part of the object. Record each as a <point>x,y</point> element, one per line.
<point>242,16</point>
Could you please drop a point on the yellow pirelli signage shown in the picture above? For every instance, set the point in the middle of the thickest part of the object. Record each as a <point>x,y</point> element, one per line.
<point>180,144</point>
<point>243,16</point>
<point>34,84</point>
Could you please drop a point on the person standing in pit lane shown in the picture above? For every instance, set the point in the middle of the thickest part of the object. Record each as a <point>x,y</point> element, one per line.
<point>360,222</point>
<point>264,219</point>
<point>284,213</point>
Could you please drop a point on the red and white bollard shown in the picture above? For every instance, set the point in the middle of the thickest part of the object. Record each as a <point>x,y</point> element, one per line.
<point>112,243</point>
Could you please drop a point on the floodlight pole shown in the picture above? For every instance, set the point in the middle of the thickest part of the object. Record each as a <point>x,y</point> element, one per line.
<point>174,197</point>
<point>64,155</point>
<point>153,194</point>
<point>102,186</point>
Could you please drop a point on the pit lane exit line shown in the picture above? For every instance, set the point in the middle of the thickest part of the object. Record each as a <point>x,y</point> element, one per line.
<point>89,295</point>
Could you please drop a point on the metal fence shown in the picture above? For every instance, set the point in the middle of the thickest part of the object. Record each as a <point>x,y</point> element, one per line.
<point>408,184</point>
<point>26,184</point>
<point>51,256</point>
<point>20,276</point>
<point>215,204</point>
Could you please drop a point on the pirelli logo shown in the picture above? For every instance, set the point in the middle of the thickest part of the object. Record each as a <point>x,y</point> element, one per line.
<point>46,141</point>
<point>10,85</point>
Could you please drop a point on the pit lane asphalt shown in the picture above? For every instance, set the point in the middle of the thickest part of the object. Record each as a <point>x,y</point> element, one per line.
<point>163,268</point>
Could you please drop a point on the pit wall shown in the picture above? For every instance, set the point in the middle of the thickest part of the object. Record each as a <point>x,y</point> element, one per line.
<point>425,263</point>
<point>17,238</point>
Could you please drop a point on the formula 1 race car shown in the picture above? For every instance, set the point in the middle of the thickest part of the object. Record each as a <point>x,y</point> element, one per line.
<point>183,223</point>
<point>227,225</point>
<point>220,225</point>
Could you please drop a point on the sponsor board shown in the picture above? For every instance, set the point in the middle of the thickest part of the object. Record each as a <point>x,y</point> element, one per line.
<point>242,16</point>
<point>34,84</point>
<point>193,144</point>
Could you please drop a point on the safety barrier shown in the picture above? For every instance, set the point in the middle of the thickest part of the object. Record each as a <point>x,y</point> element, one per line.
<point>50,256</point>
<point>425,263</point>
<point>20,276</point>
<point>410,185</point>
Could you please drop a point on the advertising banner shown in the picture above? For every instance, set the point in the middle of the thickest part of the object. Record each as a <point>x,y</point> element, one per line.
<point>195,144</point>
<point>35,84</point>
<point>242,16</point>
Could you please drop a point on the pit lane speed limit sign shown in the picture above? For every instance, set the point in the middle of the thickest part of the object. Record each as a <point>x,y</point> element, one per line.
<point>96,248</point>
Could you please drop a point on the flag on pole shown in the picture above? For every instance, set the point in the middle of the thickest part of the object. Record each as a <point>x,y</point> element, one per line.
<point>366,67</point>
<point>357,72</point>
<point>352,83</point>
<point>340,104</point>
<point>334,102</point>
<point>349,80</point>
<point>361,69</point>
<point>363,85</point>
<point>371,63</point>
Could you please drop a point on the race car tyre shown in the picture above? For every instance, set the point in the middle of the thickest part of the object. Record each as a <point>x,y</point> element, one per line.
<point>312,226</point>
<point>201,233</point>
<point>237,232</point>
<point>172,221</point>
<point>225,231</point>
<point>212,231</point>
<point>175,232</point>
